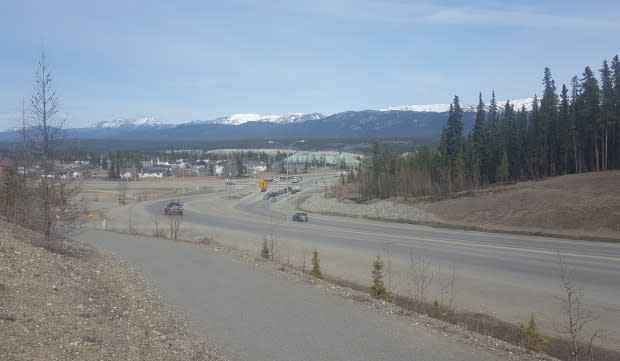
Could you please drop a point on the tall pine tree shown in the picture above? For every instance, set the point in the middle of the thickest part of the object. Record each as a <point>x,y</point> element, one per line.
<point>479,145</point>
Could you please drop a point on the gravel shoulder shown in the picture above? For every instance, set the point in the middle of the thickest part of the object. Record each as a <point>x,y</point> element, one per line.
<point>66,300</point>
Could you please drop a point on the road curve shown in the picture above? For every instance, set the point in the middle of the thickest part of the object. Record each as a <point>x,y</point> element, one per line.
<point>509,276</point>
<point>252,314</point>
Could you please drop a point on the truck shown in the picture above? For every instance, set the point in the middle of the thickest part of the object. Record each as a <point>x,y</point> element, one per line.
<point>173,208</point>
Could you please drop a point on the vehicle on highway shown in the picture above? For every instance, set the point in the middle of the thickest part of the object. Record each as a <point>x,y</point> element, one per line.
<point>173,208</point>
<point>300,217</point>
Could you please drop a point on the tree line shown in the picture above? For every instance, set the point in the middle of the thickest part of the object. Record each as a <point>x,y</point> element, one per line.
<point>574,130</point>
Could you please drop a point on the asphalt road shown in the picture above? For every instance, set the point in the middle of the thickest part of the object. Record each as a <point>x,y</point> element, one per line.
<point>252,314</point>
<point>509,276</point>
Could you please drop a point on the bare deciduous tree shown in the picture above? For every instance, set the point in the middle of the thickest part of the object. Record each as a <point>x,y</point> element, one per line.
<point>156,230</point>
<point>420,278</point>
<point>576,317</point>
<point>49,197</point>
<point>174,222</point>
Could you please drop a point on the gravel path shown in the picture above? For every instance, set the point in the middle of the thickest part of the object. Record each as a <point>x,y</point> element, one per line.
<point>253,312</point>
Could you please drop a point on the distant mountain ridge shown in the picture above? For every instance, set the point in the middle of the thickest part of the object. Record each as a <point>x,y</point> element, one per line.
<point>420,121</point>
<point>441,108</point>
<point>130,123</point>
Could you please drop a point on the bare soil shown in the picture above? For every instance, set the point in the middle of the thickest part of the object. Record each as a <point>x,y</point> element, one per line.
<point>66,301</point>
<point>579,205</point>
<point>575,206</point>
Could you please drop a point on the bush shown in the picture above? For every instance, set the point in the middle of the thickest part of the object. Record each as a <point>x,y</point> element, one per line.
<point>316,267</point>
<point>435,310</point>
<point>378,290</point>
<point>265,251</point>
<point>534,340</point>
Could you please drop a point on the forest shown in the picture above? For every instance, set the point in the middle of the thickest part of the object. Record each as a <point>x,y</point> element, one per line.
<point>573,130</point>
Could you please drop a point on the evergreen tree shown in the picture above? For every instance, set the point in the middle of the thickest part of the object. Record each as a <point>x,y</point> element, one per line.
<point>378,290</point>
<point>316,267</point>
<point>522,142</point>
<point>607,112</point>
<point>453,138</point>
<point>493,145</point>
<point>588,120</point>
<point>265,249</point>
<point>547,125</point>
<point>503,170</point>
<point>534,340</point>
<point>479,143</point>
<point>564,128</point>
<point>573,129</point>
<point>615,67</point>
<point>535,162</point>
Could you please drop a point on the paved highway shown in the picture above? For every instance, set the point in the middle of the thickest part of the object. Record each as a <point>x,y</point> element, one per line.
<point>508,276</point>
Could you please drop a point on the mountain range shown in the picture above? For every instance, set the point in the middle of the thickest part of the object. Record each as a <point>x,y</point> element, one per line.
<point>400,121</point>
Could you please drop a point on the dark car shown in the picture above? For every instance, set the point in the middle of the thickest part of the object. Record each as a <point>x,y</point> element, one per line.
<point>300,217</point>
<point>174,208</point>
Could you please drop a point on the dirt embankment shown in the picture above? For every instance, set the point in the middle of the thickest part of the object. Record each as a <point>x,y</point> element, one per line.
<point>582,205</point>
<point>66,301</point>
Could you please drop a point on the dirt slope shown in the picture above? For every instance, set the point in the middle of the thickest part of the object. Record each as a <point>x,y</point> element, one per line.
<point>574,205</point>
<point>67,301</point>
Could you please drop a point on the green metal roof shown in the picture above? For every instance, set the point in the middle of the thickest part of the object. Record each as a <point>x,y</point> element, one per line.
<point>327,158</point>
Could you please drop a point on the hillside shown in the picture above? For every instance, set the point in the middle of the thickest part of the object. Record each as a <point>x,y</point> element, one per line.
<point>582,205</point>
<point>66,301</point>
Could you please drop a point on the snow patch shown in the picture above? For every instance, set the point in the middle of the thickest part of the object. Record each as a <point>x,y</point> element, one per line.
<point>444,108</point>
<point>134,122</point>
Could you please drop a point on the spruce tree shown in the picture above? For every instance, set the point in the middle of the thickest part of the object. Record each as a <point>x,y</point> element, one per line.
<point>378,290</point>
<point>453,138</point>
<point>265,249</point>
<point>607,112</point>
<point>615,67</point>
<point>479,144</point>
<point>493,145</point>
<point>547,125</point>
<point>564,125</point>
<point>588,120</point>
<point>316,267</point>
<point>534,340</point>
<point>533,142</point>
<point>503,170</point>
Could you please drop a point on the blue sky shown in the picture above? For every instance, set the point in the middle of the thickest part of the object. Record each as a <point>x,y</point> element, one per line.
<point>187,60</point>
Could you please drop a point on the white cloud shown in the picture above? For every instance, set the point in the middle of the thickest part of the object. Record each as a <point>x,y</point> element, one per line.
<point>469,16</point>
<point>489,13</point>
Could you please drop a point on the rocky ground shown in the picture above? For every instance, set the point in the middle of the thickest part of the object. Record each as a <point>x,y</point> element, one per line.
<point>67,301</point>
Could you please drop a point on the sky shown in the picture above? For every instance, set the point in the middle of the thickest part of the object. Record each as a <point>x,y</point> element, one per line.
<point>198,60</point>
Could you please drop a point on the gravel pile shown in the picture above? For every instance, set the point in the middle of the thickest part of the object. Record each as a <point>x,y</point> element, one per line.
<point>66,301</point>
<point>386,209</point>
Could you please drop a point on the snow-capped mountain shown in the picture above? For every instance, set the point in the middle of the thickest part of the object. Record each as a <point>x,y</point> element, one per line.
<point>242,118</point>
<point>443,108</point>
<point>135,122</point>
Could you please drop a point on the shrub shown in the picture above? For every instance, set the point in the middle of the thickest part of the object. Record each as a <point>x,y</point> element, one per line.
<point>265,251</point>
<point>378,290</point>
<point>534,340</point>
<point>316,267</point>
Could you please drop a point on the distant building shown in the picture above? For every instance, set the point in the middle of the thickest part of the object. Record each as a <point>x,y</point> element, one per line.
<point>155,172</point>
